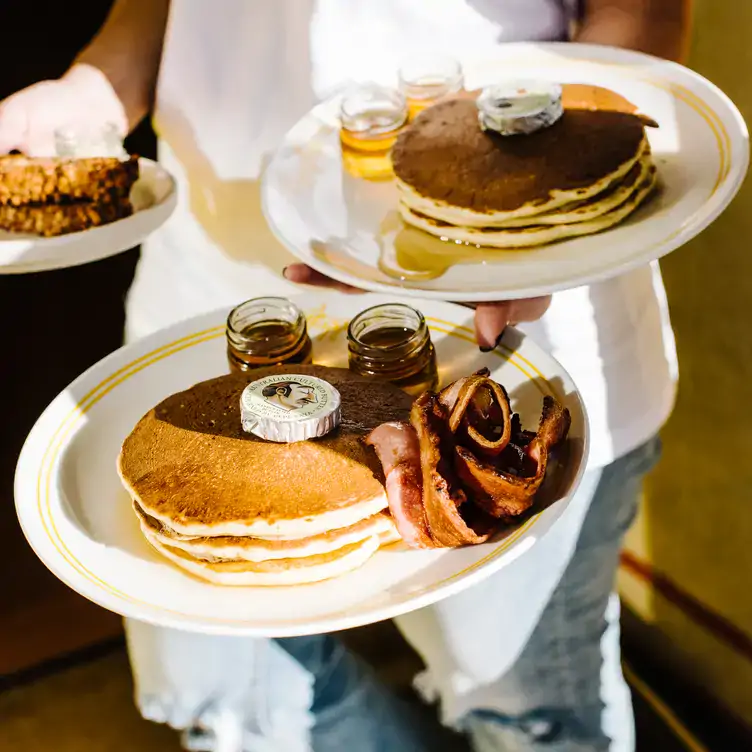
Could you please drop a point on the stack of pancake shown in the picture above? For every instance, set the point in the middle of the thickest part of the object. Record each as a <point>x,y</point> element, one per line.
<point>234,509</point>
<point>587,172</point>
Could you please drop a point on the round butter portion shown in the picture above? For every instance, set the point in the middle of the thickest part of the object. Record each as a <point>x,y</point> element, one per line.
<point>289,407</point>
<point>519,107</point>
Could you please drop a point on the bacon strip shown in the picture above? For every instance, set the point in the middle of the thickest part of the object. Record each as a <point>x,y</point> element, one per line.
<point>449,394</point>
<point>442,496</point>
<point>483,413</point>
<point>501,492</point>
<point>396,445</point>
<point>464,462</point>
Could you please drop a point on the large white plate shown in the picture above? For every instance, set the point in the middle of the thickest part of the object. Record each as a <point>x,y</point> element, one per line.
<point>80,522</point>
<point>154,198</point>
<point>341,225</point>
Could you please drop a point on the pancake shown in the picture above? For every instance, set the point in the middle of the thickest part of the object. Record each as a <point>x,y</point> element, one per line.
<point>589,97</point>
<point>228,548</point>
<point>582,211</point>
<point>189,464</point>
<point>533,235</point>
<point>298,571</point>
<point>447,168</point>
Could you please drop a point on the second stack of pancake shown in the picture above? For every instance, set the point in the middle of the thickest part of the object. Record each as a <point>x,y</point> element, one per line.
<point>587,172</point>
<point>237,510</point>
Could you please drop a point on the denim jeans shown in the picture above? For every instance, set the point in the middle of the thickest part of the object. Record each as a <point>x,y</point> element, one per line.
<point>559,690</point>
<point>566,692</point>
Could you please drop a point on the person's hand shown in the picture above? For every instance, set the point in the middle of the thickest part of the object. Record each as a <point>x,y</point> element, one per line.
<point>83,98</point>
<point>490,318</point>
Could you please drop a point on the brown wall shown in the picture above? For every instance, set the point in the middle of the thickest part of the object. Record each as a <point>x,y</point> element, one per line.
<point>695,528</point>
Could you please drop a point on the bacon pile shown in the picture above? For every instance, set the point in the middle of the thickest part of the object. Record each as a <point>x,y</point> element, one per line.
<point>463,463</point>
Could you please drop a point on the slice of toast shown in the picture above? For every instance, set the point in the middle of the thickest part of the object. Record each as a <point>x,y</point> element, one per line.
<point>25,180</point>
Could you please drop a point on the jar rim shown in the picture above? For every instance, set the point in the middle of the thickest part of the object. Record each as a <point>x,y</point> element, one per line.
<point>417,335</point>
<point>441,70</point>
<point>263,302</point>
<point>395,105</point>
<point>252,312</point>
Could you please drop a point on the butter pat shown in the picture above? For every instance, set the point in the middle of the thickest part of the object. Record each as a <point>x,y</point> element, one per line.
<point>519,107</point>
<point>289,407</point>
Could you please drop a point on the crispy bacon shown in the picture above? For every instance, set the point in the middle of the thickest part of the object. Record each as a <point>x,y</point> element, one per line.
<point>396,445</point>
<point>449,394</point>
<point>483,416</point>
<point>508,489</point>
<point>442,495</point>
<point>464,463</point>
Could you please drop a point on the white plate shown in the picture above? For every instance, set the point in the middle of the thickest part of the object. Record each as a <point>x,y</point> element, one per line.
<point>154,197</point>
<point>80,522</point>
<point>340,225</point>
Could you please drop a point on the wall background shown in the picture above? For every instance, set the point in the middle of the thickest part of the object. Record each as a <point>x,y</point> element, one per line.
<point>695,529</point>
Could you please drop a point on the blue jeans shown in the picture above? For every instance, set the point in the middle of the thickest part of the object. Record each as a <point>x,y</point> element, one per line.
<point>563,692</point>
<point>555,686</point>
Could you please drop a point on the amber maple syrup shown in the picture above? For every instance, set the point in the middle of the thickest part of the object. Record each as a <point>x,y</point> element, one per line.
<point>266,332</point>
<point>411,255</point>
<point>371,118</point>
<point>391,342</point>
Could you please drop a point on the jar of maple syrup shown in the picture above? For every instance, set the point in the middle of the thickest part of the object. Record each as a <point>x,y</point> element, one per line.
<point>266,332</point>
<point>427,79</point>
<point>371,118</point>
<point>391,342</point>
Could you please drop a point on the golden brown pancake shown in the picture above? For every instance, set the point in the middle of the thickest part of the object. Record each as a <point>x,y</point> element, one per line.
<point>276,572</point>
<point>247,548</point>
<point>576,211</point>
<point>533,235</point>
<point>189,464</point>
<point>444,156</point>
<point>588,97</point>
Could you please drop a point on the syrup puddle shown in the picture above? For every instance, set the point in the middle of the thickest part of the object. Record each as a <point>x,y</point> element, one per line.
<point>411,255</point>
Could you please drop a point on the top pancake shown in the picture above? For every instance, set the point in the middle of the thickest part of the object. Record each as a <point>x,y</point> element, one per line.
<point>189,463</point>
<point>445,157</point>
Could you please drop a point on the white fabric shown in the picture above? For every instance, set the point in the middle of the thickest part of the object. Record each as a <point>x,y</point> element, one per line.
<point>232,693</point>
<point>235,76</point>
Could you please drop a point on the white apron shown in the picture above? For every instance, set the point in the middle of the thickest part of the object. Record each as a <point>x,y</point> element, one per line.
<point>235,76</point>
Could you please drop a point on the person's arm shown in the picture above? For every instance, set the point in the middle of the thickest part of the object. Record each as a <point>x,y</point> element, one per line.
<point>658,27</point>
<point>127,50</point>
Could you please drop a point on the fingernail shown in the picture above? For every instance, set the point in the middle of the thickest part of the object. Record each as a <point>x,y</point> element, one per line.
<point>284,271</point>
<point>496,344</point>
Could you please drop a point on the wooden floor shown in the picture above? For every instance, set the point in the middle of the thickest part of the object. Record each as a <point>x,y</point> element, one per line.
<point>88,707</point>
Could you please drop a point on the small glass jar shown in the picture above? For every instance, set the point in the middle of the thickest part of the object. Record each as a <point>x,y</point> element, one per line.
<point>391,342</point>
<point>78,143</point>
<point>266,332</point>
<point>427,79</point>
<point>371,118</point>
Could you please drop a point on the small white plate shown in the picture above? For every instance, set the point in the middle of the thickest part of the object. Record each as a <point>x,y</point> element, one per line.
<point>343,226</point>
<point>154,197</point>
<point>79,520</point>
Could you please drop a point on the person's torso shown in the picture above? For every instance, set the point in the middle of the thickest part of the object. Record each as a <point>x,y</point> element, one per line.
<point>237,75</point>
